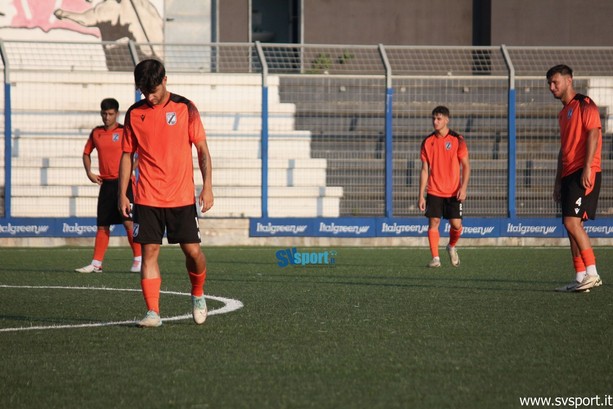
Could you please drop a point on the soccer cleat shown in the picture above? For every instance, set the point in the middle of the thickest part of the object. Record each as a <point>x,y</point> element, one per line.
<point>135,267</point>
<point>453,256</point>
<point>151,320</point>
<point>435,262</point>
<point>90,268</point>
<point>583,286</point>
<point>199,309</point>
<point>589,282</point>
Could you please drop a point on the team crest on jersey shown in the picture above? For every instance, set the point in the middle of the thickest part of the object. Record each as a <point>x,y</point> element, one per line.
<point>115,137</point>
<point>448,146</point>
<point>171,118</point>
<point>570,113</point>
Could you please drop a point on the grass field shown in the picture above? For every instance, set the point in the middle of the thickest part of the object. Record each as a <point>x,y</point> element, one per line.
<point>376,330</point>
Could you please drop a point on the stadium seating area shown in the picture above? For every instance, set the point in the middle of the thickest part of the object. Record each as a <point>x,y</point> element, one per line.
<point>48,177</point>
<point>327,147</point>
<point>348,131</point>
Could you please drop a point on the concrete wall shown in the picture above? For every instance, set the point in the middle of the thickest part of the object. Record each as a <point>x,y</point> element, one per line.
<point>392,22</point>
<point>438,22</point>
<point>552,22</point>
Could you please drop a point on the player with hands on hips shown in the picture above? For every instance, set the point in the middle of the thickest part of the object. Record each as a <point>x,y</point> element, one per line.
<point>106,139</point>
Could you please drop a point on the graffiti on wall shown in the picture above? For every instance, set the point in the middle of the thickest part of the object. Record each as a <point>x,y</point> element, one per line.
<point>117,21</point>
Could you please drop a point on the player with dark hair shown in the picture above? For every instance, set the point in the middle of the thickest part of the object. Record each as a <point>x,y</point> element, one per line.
<point>162,128</point>
<point>106,139</point>
<point>445,172</point>
<point>578,177</point>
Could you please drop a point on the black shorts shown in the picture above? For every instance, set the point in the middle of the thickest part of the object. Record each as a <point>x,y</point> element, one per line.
<point>443,207</point>
<point>574,201</point>
<point>180,223</point>
<point>108,212</point>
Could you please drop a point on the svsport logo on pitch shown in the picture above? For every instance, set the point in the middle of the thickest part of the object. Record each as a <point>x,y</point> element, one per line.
<point>291,256</point>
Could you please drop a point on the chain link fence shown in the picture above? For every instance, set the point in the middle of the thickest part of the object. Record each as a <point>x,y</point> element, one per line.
<point>327,116</point>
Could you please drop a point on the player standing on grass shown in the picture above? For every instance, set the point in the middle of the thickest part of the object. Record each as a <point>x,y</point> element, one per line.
<point>162,129</point>
<point>106,139</point>
<point>445,171</point>
<point>577,183</point>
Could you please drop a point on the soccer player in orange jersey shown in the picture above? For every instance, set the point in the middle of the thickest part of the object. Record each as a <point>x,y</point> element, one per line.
<point>577,183</point>
<point>106,139</point>
<point>161,129</point>
<point>445,172</point>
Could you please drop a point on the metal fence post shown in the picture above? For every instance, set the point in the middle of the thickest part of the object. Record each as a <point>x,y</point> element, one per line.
<point>511,115</point>
<point>264,140</point>
<point>7,133</point>
<point>389,154</point>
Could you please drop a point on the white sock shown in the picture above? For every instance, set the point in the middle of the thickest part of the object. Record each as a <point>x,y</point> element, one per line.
<point>580,276</point>
<point>139,259</point>
<point>97,263</point>
<point>591,270</point>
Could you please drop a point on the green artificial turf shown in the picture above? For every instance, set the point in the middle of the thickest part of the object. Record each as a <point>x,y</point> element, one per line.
<point>377,329</point>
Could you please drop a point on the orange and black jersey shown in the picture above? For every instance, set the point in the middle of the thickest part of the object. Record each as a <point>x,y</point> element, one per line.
<point>443,155</point>
<point>162,136</point>
<point>576,119</point>
<point>108,145</point>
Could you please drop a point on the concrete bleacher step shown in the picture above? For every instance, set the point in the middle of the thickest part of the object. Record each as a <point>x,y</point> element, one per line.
<point>230,201</point>
<point>229,144</point>
<point>80,89</point>
<point>280,118</point>
<point>24,176</point>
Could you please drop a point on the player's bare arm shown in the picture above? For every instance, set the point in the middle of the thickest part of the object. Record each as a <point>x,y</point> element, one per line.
<point>125,172</point>
<point>87,164</point>
<point>205,200</point>
<point>462,192</point>
<point>423,182</point>
<point>590,151</point>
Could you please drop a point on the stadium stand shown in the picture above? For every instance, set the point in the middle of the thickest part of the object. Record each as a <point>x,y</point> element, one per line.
<point>48,144</point>
<point>347,127</point>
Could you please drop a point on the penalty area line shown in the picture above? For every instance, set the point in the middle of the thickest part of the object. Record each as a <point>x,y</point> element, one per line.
<point>230,305</point>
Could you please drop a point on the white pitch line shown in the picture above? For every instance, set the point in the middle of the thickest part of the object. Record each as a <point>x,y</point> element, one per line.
<point>230,305</point>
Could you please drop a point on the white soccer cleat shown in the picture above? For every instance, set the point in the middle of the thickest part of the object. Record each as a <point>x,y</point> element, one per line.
<point>136,265</point>
<point>589,282</point>
<point>453,256</point>
<point>151,320</point>
<point>199,311</point>
<point>583,286</point>
<point>435,262</point>
<point>90,268</point>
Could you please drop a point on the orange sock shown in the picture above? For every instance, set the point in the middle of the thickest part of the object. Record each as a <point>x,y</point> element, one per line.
<point>136,248</point>
<point>454,236</point>
<point>101,243</point>
<point>151,293</point>
<point>579,265</point>
<point>589,259</point>
<point>433,238</point>
<point>197,281</point>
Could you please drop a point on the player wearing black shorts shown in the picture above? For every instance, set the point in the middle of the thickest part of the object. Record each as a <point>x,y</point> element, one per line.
<point>575,200</point>
<point>445,172</point>
<point>106,139</point>
<point>578,177</point>
<point>163,128</point>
